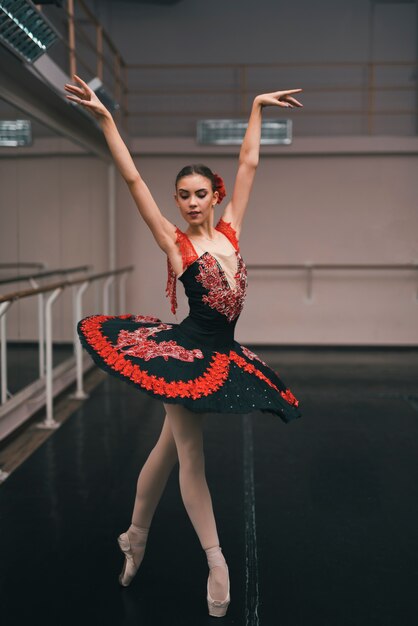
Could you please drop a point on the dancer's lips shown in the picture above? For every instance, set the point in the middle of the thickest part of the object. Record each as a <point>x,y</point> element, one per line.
<point>194,213</point>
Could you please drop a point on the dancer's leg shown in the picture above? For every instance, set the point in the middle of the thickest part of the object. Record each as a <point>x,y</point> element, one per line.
<point>150,486</point>
<point>186,427</point>
<point>153,477</point>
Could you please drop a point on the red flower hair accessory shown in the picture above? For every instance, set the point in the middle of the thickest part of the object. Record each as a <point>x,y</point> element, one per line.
<point>219,187</point>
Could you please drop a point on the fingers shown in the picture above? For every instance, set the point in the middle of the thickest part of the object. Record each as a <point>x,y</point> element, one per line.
<point>75,99</point>
<point>78,100</point>
<point>286,92</point>
<point>79,80</point>
<point>84,90</point>
<point>275,101</point>
<point>287,100</point>
<point>283,101</point>
<point>73,88</point>
<point>294,101</point>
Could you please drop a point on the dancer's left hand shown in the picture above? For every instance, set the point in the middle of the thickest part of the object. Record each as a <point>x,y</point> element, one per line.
<point>279,98</point>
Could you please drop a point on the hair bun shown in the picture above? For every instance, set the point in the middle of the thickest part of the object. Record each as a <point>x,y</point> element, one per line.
<point>219,187</point>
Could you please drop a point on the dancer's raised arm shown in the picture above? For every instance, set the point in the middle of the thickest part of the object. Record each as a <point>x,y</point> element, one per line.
<point>249,153</point>
<point>162,229</point>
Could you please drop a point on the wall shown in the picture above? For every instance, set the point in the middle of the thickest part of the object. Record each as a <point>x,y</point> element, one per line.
<point>328,47</point>
<point>317,200</point>
<point>53,210</point>
<point>197,31</point>
<point>318,207</point>
<point>300,41</point>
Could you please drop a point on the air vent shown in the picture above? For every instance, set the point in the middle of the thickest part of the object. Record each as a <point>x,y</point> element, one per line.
<point>231,132</point>
<point>24,30</point>
<point>15,133</point>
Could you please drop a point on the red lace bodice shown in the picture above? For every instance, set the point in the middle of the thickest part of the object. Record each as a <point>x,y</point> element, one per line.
<point>189,255</point>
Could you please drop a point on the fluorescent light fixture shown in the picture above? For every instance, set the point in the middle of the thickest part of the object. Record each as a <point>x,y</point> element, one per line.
<point>97,86</point>
<point>24,30</point>
<point>15,133</point>
<point>231,132</point>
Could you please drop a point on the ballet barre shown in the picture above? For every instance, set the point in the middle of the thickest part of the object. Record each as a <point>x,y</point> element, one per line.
<point>14,410</point>
<point>310,267</point>
<point>46,274</point>
<point>33,280</point>
<point>27,264</point>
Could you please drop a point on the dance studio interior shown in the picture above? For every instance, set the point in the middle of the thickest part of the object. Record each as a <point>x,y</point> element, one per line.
<point>317,517</point>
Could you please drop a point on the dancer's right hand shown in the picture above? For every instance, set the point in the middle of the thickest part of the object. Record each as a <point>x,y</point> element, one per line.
<point>85,96</point>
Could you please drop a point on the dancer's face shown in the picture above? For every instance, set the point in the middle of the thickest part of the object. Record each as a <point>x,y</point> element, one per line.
<point>195,198</point>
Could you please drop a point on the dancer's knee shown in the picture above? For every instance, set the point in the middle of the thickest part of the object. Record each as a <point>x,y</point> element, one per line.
<point>186,428</point>
<point>191,458</point>
<point>166,451</point>
<point>166,445</point>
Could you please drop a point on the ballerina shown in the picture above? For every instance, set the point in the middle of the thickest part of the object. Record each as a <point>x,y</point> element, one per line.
<point>195,367</point>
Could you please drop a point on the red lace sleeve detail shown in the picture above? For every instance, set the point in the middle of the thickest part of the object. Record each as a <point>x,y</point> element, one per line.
<point>170,290</point>
<point>228,231</point>
<point>188,255</point>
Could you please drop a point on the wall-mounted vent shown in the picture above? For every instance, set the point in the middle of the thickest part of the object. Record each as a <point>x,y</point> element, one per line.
<point>15,133</point>
<point>24,30</point>
<point>231,132</point>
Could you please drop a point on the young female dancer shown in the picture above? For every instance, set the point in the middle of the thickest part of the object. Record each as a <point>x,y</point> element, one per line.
<point>195,367</point>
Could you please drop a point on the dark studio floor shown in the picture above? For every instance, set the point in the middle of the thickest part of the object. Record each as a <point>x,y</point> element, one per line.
<point>318,518</point>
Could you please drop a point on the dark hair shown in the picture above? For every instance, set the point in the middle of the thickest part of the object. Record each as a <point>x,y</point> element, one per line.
<point>198,168</point>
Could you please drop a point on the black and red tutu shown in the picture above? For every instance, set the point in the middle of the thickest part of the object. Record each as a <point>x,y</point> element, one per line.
<point>197,362</point>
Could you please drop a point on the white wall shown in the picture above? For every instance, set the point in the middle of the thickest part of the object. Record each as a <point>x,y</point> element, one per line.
<point>323,208</point>
<point>319,205</point>
<point>53,209</point>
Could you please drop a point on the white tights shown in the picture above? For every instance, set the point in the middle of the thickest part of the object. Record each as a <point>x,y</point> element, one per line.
<point>181,439</point>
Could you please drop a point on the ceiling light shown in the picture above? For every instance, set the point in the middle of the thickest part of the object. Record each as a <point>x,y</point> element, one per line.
<point>24,30</point>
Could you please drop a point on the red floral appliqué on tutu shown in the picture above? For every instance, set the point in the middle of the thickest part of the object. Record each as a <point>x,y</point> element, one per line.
<point>221,297</point>
<point>249,367</point>
<point>251,355</point>
<point>206,384</point>
<point>146,318</point>
<point>209,382</point>
<point>136,343</point>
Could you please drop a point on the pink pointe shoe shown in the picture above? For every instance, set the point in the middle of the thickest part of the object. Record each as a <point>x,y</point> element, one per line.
<point>217,608</point>
<point>133,549</point>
